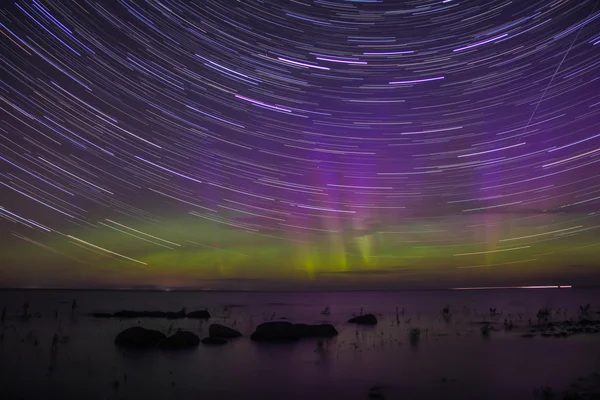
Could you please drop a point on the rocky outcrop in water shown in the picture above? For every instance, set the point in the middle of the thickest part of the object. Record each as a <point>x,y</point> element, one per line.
<point>566,328</point>
<point>139,337</point>
<point>283,331</point>
<point>200,314</point>
<point>279,331</point>
<point>176,315</point>
<point>180,340</point>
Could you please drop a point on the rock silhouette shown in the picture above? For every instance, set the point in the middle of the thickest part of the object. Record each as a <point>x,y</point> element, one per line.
<point>139,337</point>
<point>278,331</point>
<point>283,331</point>
<point>180,340</point>
<point>176,315</point>
<point>95,314</point>
<point>222,331</point>
<point>200,314</point>
<point>367,319</point>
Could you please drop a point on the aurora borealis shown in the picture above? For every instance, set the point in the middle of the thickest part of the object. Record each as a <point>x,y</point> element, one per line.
<point>268,144</point>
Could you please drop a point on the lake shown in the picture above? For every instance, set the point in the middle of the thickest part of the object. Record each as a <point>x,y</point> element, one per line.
<point>452,359</point>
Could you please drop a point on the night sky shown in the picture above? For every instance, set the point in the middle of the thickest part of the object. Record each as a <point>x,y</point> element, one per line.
<point>251,144</point>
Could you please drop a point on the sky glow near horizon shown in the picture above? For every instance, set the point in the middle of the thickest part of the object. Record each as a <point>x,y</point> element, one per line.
<point>283,144</point>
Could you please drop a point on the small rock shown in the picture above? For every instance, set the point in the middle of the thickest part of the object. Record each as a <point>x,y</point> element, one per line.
<point>222,331</point>
<point>485,330</point>
<point>367,319</point>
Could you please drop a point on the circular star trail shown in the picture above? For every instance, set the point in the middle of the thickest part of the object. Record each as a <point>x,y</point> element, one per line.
<point>159,142</point>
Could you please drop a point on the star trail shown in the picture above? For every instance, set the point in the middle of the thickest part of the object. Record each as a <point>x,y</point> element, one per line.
<point>174,143</point>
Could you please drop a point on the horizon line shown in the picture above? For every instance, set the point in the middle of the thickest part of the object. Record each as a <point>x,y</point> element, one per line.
<point>524,287</point>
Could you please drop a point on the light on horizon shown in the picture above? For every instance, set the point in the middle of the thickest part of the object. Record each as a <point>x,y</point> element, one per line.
<point>515,287</point>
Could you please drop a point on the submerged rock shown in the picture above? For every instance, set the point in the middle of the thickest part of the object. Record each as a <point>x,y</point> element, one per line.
<point>486,330</point>
<point>222,331</point>
<point>180,340</point>
<point>367,319</point>
<point>214,340</point>
<point>414,336</point>
<point>139,337</point>
<point>200,314</point>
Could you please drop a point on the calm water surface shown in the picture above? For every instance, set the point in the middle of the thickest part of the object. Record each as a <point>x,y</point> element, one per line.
<point>452,359</point>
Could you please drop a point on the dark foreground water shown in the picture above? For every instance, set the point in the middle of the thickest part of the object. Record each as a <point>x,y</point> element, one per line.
<point>451,361</point>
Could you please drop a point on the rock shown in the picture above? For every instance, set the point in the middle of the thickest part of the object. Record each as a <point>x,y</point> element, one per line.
<point>101,315</point>
<point>367,319</point>
<point>222,331</point>
<point>279,331</point>
<point>176,315</point>
<point>139,337</point>
<point>200,314</point>
<point>214,340</point>
<point>414,335</point>
<point>286,331</point>
<point>320,331</point>
<point>125,314</point>
<point>486,330</point>
<point>180,340</point>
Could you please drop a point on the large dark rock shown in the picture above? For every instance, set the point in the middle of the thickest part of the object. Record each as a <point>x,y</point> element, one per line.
<point>201,314</point>
<point>139,337</point>
<point>286,331</point>
<point>222,331</point>
<point>278,331</point>
<point>180,340</point>
<point>214,340</point>
<point>367,319</point>
<point>320,330</point>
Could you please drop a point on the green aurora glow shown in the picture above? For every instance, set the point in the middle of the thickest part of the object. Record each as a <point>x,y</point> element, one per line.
<point>435,252</point>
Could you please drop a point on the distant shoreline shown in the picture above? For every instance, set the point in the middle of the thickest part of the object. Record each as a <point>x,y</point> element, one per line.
<point>478,289</point>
